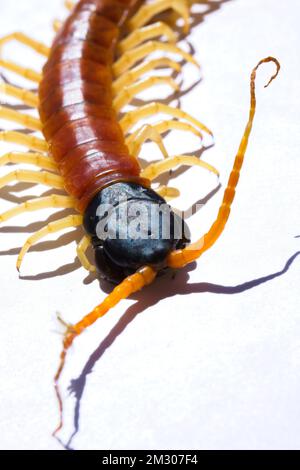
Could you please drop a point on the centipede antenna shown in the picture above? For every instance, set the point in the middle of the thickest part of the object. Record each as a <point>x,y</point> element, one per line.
<point>180,258</point>
<point>131,284</point>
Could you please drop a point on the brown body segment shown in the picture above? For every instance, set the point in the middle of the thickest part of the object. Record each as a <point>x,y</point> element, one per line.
<point>75,71</point>
<point>74,93</point>
<point>76,101</point>
<point>86,50</point>
<point>72,113</point>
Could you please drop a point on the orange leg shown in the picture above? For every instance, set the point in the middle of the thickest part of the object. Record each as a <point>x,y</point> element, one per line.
<point>131,284</point>
<point>180,258</point>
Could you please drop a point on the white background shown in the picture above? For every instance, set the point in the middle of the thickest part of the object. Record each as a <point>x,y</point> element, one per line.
<point>208,360</point>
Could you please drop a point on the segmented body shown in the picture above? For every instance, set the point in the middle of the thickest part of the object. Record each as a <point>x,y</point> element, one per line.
<point>76,101</point>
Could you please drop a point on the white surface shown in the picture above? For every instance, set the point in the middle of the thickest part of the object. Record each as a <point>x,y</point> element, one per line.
<point>203,361</point>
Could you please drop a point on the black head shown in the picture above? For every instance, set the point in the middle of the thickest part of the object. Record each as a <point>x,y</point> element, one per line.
<point>132,226</point>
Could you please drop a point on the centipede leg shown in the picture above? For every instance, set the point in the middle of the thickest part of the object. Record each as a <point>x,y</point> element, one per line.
<point>38,177</point>
<point>152,109</point>
<point>24,119</point>
<point>153,170</point>
<point>27,73</point>
<point>27,41</point>
<point>157,130</point>
<point>69,4</point>
<point>53,201</point>
<point>165,126</point>
<point>53,227</point>
<point>29,158</point>
<point>29,141</point>
<point>57,24</point>
<point>147,132</point>
<point>132,75</point>
<point>148,11</point>
<point>130,91</point>
<point>148,32</point>
<point>167,192</point>
<point>129,58</point>
<point>25,96</point>
<point>81,253</point>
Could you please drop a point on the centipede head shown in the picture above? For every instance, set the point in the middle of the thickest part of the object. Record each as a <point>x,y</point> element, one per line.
<point>132,226</point>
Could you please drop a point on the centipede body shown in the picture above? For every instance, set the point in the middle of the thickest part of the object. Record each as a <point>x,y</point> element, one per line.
<point>76,103</point>
<point>93,69</point>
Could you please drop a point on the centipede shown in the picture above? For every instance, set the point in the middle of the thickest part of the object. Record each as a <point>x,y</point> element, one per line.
<point>100,59</point>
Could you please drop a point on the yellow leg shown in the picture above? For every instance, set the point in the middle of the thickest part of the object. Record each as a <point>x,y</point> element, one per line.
<point>147,132</point>
<point>132,75</point>
<point>53,227</point>
<point>180,258</point>
<point>27,41</point>
<point>130,58</point>
<point>148,32</point>
<point>57,24</point>
<point>38,177</point>
<point>165,126</point>
<point>159,129</point>
<point>69,4</point>
<point>168,192</point>
<point>54,201</point>
<point>153,170</point>
<point>81,253</point>
<point>30,74</point>
<point>36,159</point>
<point>152,109</point>
<point>148,11</point>
<point>29,141</point>
<point>130,91</point>
<point>27,97</point>
<point>24,119</point>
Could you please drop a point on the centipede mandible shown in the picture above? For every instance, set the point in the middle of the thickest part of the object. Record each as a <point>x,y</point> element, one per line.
<point>100,59</point>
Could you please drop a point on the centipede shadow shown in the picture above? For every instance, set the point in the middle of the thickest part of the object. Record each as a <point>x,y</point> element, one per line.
<point>149,298</point>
